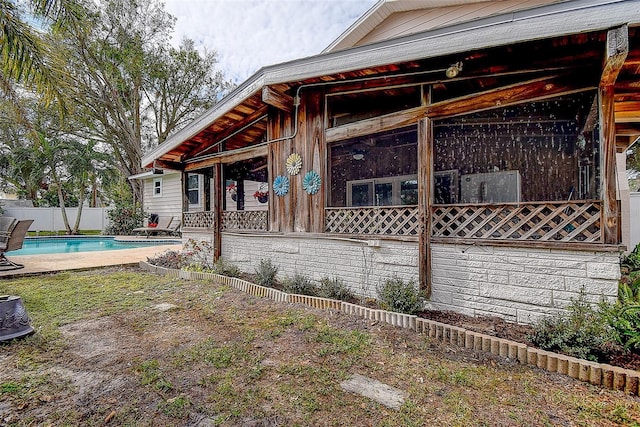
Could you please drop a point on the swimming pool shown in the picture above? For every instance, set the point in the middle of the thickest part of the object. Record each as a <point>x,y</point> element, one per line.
<point>61,245</point>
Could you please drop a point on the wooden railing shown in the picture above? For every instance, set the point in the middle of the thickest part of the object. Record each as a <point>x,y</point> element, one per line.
<point>245,220</point>
<point>398,220</point>
<point>576,221</point>
<point>198,219</point>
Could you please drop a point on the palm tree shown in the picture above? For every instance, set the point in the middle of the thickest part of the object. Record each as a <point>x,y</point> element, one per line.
<point>25,57</point>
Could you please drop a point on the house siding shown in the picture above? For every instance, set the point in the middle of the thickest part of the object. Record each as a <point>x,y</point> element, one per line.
<point>404,23</point>
<point>518,284</point>
<point>170,203</point>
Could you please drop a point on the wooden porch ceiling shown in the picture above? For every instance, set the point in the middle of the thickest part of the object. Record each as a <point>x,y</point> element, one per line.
<point>482,70</point>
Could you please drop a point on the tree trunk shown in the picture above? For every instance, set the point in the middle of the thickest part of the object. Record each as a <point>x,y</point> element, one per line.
<point>76,226</point>
<point>61,203</point>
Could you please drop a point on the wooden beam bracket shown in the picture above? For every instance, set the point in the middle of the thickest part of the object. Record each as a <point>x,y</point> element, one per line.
<point>616,53</point>
<point>279,100</point>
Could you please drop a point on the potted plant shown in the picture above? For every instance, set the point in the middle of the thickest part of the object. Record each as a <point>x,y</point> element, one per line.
<point>262,194</point>
<point>233,191</point>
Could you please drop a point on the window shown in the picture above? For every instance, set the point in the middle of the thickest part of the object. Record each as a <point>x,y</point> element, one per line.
<point>157,187</point>
<point>375,170</point>
<point>393,191</point>
<point>193,189</point>
<point>539,151</point>
<point>246,185</point>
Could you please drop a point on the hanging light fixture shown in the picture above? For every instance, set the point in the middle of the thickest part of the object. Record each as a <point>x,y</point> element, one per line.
<point>454,70</point>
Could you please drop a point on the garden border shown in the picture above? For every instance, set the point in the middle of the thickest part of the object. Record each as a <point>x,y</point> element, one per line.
<point>599,374</point>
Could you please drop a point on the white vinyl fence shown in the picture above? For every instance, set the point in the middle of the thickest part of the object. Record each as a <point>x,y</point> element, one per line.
<point>50,219</point>
<point>635,219</point>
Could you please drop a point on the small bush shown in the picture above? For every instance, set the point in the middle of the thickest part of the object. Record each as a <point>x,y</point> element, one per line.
<point>225,268</point>
<point>397,295</point>
<point>624,317</point>
<point>299,284</point>
<point>168,259</point>
<point>335,289</point>
<point>632,261</point>
<point>198,255</point>
<point>581,332</point>
<point>266,273</point>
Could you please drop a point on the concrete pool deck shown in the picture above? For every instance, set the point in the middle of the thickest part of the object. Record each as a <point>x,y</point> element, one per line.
<point>50,263</point>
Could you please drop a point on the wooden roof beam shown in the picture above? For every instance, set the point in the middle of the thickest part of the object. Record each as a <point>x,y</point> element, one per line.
<point>627,129</point>
<point>617,49</point>
<point>280,100</point>
<point>165,164</point>
<point>532,90</point>
<point>205,147</point>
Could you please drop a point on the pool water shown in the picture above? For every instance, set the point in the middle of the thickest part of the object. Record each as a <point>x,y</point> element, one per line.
<point>61,245</point>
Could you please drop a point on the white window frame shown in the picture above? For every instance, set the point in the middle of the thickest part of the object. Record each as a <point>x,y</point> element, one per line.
<point>157,187</point>
<point>396,182</point>
<point>198,188</point>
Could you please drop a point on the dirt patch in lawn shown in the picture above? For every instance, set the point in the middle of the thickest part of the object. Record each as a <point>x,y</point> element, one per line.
<point>222,357</point>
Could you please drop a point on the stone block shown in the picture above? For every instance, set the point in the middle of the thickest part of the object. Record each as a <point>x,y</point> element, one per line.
<point>602,270</point>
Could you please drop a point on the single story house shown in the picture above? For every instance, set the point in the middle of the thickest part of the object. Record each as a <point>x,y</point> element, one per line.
<point>475,147</point>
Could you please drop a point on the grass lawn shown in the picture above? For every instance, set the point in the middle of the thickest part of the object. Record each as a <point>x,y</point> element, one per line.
<point>110,349</point>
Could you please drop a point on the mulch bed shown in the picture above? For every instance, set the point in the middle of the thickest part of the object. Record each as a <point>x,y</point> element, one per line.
<point>500,328</point>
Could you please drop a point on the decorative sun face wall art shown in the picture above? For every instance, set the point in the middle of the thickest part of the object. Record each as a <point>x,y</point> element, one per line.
<point>281,185</point>
<point>311,182</point>
<point>294,164</point>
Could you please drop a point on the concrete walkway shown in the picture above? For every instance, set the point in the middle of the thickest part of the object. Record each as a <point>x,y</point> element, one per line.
<point>34,264</point>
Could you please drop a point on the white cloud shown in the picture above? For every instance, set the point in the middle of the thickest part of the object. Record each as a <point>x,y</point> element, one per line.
<point>250,34</point>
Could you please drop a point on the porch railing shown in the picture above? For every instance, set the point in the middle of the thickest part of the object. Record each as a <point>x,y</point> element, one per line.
<point>245,220</point>
<point>576,221</point>
<point>198,219</point>
<point>397,220</point>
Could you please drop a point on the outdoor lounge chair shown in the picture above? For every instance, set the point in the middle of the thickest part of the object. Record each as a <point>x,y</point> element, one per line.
<point>13,241</point>
<point>164,226</point>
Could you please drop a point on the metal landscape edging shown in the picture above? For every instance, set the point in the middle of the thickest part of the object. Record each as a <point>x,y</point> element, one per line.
<point>598,374</point>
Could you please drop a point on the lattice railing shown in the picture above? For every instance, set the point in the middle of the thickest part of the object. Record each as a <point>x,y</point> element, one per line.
<point>577,221</point>
<point>399,221</point>
<point>198,219</point>
<point>245,220</point>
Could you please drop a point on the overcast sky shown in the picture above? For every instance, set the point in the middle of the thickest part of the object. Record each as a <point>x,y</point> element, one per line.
<point>249,34</point>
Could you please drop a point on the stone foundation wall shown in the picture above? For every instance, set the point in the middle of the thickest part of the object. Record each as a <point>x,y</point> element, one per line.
<point>362,264</point>
<point>518,284</point>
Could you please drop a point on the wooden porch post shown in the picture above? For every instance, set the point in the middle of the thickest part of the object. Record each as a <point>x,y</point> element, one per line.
<point>425,161</point>
<point>216,208</point>
<point>616,52</point>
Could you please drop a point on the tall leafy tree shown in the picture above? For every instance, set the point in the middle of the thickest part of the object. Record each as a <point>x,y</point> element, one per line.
<point>25,57</point>
<point>131,89</point>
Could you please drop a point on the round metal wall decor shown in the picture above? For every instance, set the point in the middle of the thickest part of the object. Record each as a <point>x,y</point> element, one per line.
<point>281,185</point>
<point>294,164</point>
<point>311,182</point>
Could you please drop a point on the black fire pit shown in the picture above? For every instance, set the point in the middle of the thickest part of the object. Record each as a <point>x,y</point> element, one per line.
<point>14,321</point>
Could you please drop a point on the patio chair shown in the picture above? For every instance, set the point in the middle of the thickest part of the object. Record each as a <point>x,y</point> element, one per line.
<point>164,224</point>
<point>13,242</point>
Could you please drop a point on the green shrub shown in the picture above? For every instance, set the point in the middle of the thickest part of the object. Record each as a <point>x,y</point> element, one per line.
<point>397,295</point>
<point>335,289</point>
<point>168,259</point>
<point>225,268</point>
<point>198,255</point>
<point>624,317</point>
<point>124,217</point>
<point>266,273</point>
<point>632,261</point>
<point>582,331</point>
<point>299,284</point>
